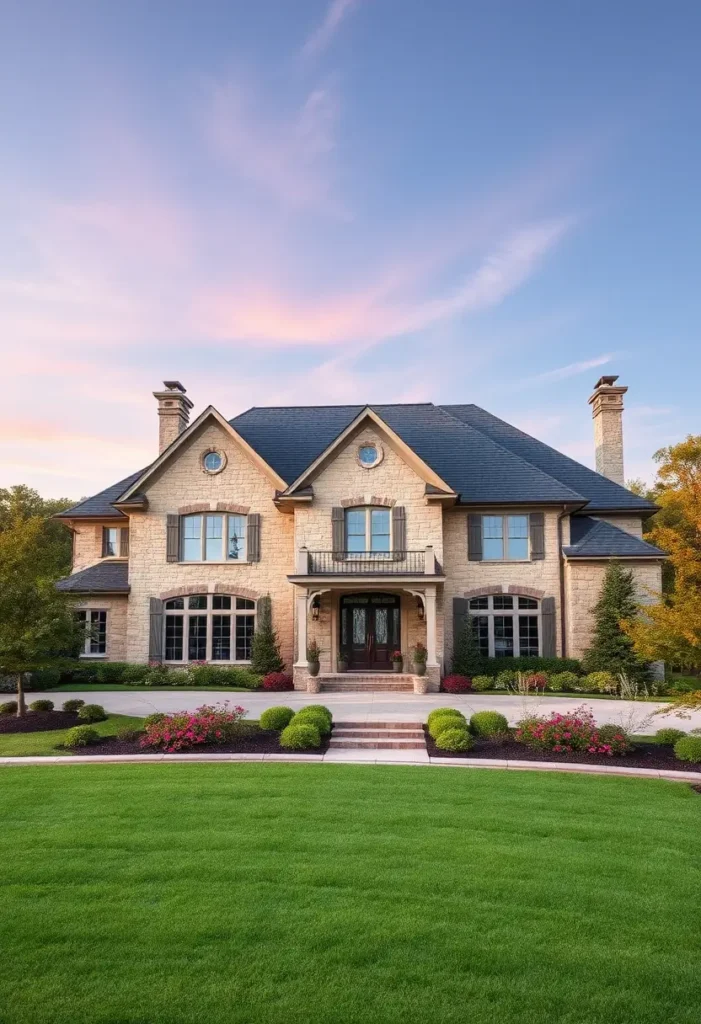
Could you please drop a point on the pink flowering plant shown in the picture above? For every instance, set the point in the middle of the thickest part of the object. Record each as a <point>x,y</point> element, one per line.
<point>185,730</point>
<point>572,732</point>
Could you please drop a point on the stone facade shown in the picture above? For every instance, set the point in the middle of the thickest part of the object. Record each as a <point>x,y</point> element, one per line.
<point>116,607</point>
<point>87,541</point>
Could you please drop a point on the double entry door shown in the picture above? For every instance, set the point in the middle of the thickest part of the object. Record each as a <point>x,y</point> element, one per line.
<point>370,630</point>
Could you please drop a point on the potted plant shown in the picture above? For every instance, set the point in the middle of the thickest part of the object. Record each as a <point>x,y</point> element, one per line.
<point>313,656</point>
<point>342,662</point>
<point>397,661</point>
<point>419,654</point>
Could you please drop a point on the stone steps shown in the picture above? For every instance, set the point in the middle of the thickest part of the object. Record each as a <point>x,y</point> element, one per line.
<point>382,682</point>
<point>377,736</point>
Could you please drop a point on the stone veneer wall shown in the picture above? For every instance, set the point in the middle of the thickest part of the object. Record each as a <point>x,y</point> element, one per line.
<point>463,575</point>
<point>116,607</point>
<point>583,582</point>
<point>87,542</point>
<point>182,482</point>
<point>631,524</point>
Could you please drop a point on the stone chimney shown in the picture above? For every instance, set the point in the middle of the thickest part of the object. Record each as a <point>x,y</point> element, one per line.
<point>607,413</point>
<point>173,412</point>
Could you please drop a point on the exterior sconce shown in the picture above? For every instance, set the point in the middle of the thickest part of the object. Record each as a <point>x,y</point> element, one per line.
<point>316,606</point>
<point>420,611</point>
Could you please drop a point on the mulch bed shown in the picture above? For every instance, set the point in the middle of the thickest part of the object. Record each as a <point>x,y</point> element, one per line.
<point>643,755</point>
<point>39,721</point>
<point>262,741</point>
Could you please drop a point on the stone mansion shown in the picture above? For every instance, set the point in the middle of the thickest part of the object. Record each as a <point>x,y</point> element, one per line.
<point>371,528</point>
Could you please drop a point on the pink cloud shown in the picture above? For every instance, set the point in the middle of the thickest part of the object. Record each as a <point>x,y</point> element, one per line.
<point>336,13</point>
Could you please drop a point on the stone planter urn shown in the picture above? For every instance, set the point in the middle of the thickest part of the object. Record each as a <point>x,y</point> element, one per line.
<point>419,668</point>
<point>313,684</point>
<point>397,666</point>
<point>313,668</point>
<point>420,683</point>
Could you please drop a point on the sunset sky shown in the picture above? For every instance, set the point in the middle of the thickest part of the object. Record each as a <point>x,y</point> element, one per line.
<point>314,202</point>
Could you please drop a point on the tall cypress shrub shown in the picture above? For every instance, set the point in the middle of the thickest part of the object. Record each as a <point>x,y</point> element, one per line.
<point>265,649</point>
<point>611,649</point>
<point>467,660</point>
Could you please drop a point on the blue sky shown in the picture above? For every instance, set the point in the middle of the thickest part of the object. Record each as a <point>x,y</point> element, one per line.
<point>327,201</point>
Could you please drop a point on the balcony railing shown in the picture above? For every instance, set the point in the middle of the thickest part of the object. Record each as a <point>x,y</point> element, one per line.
<point>365,563</point>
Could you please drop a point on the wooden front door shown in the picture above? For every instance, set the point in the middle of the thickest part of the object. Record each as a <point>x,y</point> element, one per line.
<point>370,630</point>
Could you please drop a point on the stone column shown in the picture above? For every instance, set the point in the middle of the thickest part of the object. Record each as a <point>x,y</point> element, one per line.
<point>430,603</point>
<point>301,628</point>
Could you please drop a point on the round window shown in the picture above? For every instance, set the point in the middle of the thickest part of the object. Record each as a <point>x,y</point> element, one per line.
<point>213,462</point>
<point>368,455</point>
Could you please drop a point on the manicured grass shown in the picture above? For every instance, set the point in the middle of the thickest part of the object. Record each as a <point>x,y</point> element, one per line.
<point>35,743</point>
<point>119,687</point>
<point>295,894</point>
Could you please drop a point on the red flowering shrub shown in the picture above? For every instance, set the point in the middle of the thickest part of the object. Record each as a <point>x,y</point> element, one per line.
<point>457,684</point>
<point>278,681</point>
<point>538,681</point>
<point>187,729</point>
<point>571,732</point>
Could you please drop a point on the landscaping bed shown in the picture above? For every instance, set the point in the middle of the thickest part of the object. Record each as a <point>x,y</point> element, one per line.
<point>251,741</point>
<point>643,755</point>
<point>38,721</point>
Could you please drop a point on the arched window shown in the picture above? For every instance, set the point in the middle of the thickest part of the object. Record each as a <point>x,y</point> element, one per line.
<point>209,627</point>
<point>508,626</point>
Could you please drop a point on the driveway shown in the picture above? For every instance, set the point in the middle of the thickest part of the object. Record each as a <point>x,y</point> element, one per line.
<point>378,707</point>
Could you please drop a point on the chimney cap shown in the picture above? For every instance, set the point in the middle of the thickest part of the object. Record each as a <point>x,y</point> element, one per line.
<point>175,385</point>
<point>606,382</point>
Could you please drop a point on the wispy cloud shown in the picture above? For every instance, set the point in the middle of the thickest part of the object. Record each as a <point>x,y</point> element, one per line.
<point>572,369</point>
<point>320,38</point>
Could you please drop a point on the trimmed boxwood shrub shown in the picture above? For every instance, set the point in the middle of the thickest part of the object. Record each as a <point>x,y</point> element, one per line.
<point>300,736</point>
<point>454,740</point>
<point>8,708</point>
<point>278,681</point>
<point>492,666</point>
<point>41,705</point>
<point>72,705</point>
<point>668,737</point>
<point>92,713</point>
<point>439,725</point>
<point>441,712</point>
<point>488,723</point>
<point>276,718</point>
<point>563,682</point>
<point>457,684</point>
<point>44,679</point>
<point>127,733</point>
<point>688,749</point>
<point>482,683</point>
<point>81,736</point>
<point>316,715</point>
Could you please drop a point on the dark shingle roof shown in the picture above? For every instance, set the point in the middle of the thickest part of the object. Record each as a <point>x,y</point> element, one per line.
<point>101,504</point>
<point>103,578</point>
<point>601,492</point>
<point>593,538</point>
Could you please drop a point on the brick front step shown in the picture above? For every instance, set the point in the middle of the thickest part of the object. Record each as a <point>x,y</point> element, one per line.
<point>373,744</point>
<point>378,734</point>
<point>380,725</point>
<point>364,686</point>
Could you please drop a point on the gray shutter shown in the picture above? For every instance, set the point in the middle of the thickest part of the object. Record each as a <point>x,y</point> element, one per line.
<point>155,632</point>
<point>460,612</point>
<point>399,532</point>
<point>338,532</point>
<point>172,538</point>
<point>547,618</point>
<point>253,537</point>
<point>124,542</point>
<point>105,535</point>
<point>474,538</point>
<point>537,535</point>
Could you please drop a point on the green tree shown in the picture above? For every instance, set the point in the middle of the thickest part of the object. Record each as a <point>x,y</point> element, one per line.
<point>265,650</point>
<point>20,503</point>
<point>467,660</point>
<point>37,627</point>
<point>612,650</point>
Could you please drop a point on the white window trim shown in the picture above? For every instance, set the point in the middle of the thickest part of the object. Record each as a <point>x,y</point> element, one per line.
<point>505,537</point>
<point>120,556</point>
<point>209,612</point>
<point>86,653</point>
<point>203,539</point>
<point>515,613</point>
<point>368,509</point>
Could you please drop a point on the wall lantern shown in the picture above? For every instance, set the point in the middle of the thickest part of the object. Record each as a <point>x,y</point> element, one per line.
<point>420,611</point>
<point>316,606</point>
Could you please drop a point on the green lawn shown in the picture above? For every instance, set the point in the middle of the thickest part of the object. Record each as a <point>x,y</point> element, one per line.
<point>119,687</point>
<point>295,894</point>
<point>35,743</point>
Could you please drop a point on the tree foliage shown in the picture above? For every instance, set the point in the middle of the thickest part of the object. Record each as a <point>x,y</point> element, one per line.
<point>671,630</point>
<point>467,660</point>
<point>20,503</point>
<point>37,628</point>
<point>265,649</point>
<point>612,649</point>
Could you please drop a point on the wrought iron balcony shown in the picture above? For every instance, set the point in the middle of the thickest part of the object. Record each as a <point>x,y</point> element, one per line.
<point>367,563</point>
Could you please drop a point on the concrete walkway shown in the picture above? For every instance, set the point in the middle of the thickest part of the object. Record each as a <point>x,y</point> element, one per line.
<point>377,707</point>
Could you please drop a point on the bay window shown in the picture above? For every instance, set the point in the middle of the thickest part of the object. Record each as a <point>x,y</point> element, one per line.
<point>209,627</point>
<point>213,538</point>
<point>506,626</point>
